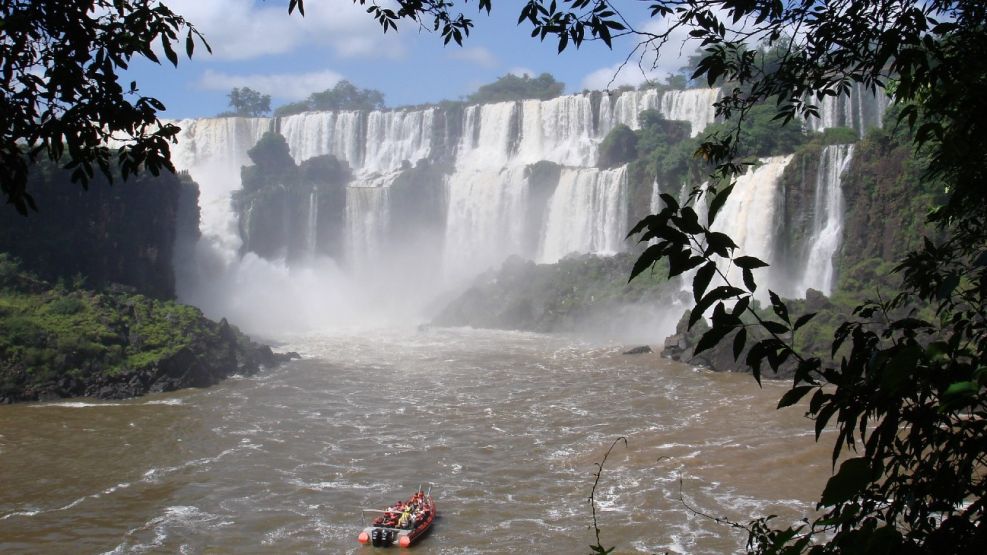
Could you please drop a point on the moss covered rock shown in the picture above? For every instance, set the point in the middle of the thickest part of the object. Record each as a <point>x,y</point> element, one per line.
<point>64,341</point>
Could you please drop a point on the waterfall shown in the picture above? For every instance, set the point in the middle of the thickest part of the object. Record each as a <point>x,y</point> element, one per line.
<point>748,216</point>
<point>397,136</point>
<point>317,133</point>
<point>861,110</point>
<point>587,214</point>
<point>367,221</point>
<point>312,225</point>
<point>485,208</point>
<point>624,108</point>
<point>827,226</point>
<point>559,130</point>
<point>656,202</point>
<point>212,150</point>
<point>692,105</point>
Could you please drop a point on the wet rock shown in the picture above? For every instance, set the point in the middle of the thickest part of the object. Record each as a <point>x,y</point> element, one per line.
<point>639,350</point>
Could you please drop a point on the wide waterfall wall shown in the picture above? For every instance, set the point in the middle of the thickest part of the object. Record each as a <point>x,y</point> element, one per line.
<point>435,196</point>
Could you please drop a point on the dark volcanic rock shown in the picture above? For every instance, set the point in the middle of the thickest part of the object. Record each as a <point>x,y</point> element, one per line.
<point>638,350</point>
<point>206,362</point>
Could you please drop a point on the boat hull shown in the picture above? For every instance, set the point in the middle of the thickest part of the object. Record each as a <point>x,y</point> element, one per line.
<point>386,536</point>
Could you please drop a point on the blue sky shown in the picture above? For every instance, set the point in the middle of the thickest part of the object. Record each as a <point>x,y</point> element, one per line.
<point>257,44</point>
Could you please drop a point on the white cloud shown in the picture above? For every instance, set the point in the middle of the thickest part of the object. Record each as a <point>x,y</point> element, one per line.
<point>283,86</point>
<point>477,55</point>
<point>242,29</point>
<point>614,76</point>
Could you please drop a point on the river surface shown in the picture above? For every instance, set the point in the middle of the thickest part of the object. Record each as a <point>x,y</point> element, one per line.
<point>507,426</point>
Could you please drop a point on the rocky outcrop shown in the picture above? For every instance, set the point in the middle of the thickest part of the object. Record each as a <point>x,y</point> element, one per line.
<point>207,360</point>
<point>57,342</point>
<point>576,294</point>
<point>291,211</point>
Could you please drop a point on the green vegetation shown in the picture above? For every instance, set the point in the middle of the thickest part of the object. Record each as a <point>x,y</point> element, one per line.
<point>618,147</point>
<point>513,87</point>
<point>62,96</point>
<point>344,96</point>
<point>56,340</point>
<point>248,103</point>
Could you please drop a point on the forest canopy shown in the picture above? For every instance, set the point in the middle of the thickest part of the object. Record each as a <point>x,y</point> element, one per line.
<point>343,96</point>
<point>514,87</point>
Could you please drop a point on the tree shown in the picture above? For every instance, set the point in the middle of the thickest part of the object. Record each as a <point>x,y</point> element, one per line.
<point>344,96</point>
<point>248,103</point>
<point>513,87</point>
<point>62,96</point>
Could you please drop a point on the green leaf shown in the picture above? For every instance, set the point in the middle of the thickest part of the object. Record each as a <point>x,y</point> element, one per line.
<point>749,280</point>
<point>749,262</point>
<point>803,320</point>
<point>822,417</point>
<point>702,279</point>
<point>689,221</point>
<point>718,201</point>
<point>739,341</point>
<point>669,201</point>
<point>854,475</point>
<point>719,243</point>
<point>794,395</point>
<point>645,261</point>
<point>169,51</point>
<point>710,339</point>
<point>900,369</point>
<point>964,389</point>
<point>779,307</point>
<point>741,305</point>
<point>776,328</point>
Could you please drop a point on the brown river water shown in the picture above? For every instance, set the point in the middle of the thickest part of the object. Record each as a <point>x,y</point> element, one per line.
<point>507,426</point>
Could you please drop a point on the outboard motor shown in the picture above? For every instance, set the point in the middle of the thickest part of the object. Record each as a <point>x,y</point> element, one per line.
<point>389,537</point>
<point>377,537</point>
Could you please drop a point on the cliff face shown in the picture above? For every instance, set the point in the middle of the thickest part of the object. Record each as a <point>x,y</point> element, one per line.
<point>886,208</point>
<point>885,216</point>
<point>122,233</point>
